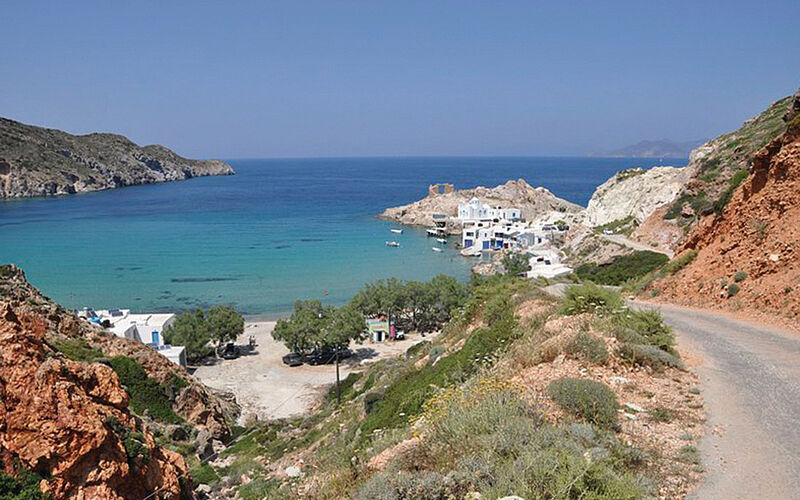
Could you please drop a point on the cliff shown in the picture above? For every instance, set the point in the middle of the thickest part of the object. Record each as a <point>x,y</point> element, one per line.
<point>747,257</point>
<point>714,171</point>
<point>68,422</point>
<point>634,193</point>
<point>200,406</point>
<point>36,161</point>
<point>536,204</point>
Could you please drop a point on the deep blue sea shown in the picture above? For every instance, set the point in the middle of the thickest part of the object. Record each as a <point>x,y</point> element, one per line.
<point>278,231</point>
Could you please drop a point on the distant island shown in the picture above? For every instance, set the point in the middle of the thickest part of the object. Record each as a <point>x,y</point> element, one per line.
<point>652,149</point>
<point>36,161</point>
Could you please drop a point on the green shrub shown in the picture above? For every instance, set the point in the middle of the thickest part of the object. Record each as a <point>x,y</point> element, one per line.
<point>23,485</point>
<point>649,324</point>
<point>132,441</point>
<point>593,401</point>
<point>203,474</point>
<point>258,489</point>
<point>733,183</point>
<point>679,262</point>
<point>739,276</point>
<point>145,393</point>
<point>418,347</point>
<point>661,414</point>
<point>591,298</point>
<point>371,400</point>
<point>587,346</point>
<point>436,351</point>
<point>733,289</point>
<point>689,454</point>
<point>345,386</point>
<point>622,268</point>
<point>77,349</point>
<point>648,355</point>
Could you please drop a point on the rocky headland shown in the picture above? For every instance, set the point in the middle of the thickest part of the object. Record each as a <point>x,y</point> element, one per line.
<point>67,416</point>
<point>536,203</point>
<point>36,161</point>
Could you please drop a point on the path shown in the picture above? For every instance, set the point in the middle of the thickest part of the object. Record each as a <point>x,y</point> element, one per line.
<point>623,240</point>
<point>751,384</point>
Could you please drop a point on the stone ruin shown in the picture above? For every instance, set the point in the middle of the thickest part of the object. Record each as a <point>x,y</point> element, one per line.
<point>441,188</point>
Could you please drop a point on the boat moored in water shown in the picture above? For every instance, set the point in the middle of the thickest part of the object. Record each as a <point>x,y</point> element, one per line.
<point>392,244</point>
<point>437,249</point>
<point>443,241</point>
<point>396,231</point>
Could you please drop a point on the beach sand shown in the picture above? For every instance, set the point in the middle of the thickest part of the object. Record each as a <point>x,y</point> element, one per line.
<point>268,389</point>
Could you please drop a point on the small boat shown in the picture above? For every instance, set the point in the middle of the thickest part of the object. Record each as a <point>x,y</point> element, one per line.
<point>443,241</point>
<point>432,232</point>
<point>397,231</point>
<point>392,244</point>
<point>437,249</point>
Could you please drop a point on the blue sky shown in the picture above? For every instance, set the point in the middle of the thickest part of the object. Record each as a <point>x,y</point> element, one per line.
<point>266,79</point>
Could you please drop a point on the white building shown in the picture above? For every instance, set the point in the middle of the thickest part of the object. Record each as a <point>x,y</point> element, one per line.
<point>546,264</point>
<point>475,209</point>
<point>145,328</point>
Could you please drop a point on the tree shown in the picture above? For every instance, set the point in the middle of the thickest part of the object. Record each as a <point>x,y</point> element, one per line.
<point>303,331</point>
<point>516,264</point>
<point>346,324</point>
<point>224,324</point>
<point>190,330</point>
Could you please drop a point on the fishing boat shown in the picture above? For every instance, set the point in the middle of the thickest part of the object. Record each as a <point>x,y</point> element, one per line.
<point>392,244</point>
<point>443,241</point>
<point>437,249</point>
<point>396,231</point>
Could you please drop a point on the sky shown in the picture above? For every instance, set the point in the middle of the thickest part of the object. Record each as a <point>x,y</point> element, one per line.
<point>240,79</point>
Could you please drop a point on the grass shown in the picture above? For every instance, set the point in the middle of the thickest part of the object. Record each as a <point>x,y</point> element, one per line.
<point>733,183</point>
<point>739,276</point>
<point>146,394</point>
<point>622,268</point>
<point>203,474</point>
<point>77,349</point>
<point>648,355</point>
<point>591,298</point>
<point>689,454</point>
<point>661,414</point>
<point>593,401</point>
<point>490,441</point>
<point>733,289</point>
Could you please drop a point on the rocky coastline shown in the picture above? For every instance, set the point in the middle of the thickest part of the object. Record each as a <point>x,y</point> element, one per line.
<point>36,161</point>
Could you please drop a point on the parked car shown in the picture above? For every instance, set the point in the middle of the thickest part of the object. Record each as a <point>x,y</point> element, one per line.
<point>230,351</point>
<point>328,356</point>
<point>294,359</point>
<point>608,231</point>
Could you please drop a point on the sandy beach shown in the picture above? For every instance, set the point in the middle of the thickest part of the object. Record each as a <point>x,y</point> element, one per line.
<point>268,389</point>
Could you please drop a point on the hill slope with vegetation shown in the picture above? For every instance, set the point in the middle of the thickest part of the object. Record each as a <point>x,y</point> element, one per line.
<point>717,167</point>
<point>520,394</point>
<point>747,256</point>
<point>36,161</point>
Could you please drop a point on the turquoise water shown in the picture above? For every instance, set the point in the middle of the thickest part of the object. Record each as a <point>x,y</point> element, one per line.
<point>278,231</point>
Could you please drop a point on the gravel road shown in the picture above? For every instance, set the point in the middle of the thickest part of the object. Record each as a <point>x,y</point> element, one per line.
<point>751,384</point>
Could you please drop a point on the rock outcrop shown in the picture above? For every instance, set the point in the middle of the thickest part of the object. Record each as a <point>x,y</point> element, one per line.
<point>536,203</point>
<point>201,406</point>
<point>68,422</point>
<point>36,161</point>
<point>714,171</point>
<point>748,257</point>
<point>634,193</point>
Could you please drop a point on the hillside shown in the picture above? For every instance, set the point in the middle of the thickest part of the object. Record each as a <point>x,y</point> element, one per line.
<point>520,394</point>
<point>36,161</point>
<point>536,204</point>
<point>717,168</point>
<point>747,256</point>
<point>92,415</point>
<point>653,149</point>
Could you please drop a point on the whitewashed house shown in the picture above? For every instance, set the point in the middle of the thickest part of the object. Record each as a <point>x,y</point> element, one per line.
<point>145,328</point>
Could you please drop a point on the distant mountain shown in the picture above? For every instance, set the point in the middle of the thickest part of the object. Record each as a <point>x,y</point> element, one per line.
<point>36,161</point>
<point>653,149</point>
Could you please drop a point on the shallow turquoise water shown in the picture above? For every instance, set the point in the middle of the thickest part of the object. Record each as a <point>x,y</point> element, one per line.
<point>278,231</point>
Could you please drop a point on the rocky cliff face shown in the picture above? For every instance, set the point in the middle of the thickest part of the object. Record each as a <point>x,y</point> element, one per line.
<point>199,405</point>
<point>69,422</point>
<point>748,256</point>
<point>536,204</point>
<point>634,193</point>
<point>36,161</point>
<point>715,170</point>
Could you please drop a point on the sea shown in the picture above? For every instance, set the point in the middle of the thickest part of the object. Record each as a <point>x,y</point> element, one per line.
<point>278,231</point>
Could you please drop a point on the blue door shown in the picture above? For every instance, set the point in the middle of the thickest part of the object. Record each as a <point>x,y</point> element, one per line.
<point>467,243</point>
<point>155,337</point>
<point>486,244</point>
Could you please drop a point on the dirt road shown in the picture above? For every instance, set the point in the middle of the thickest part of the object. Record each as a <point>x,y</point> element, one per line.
<point>635,245</point>
<point>751,383</point>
